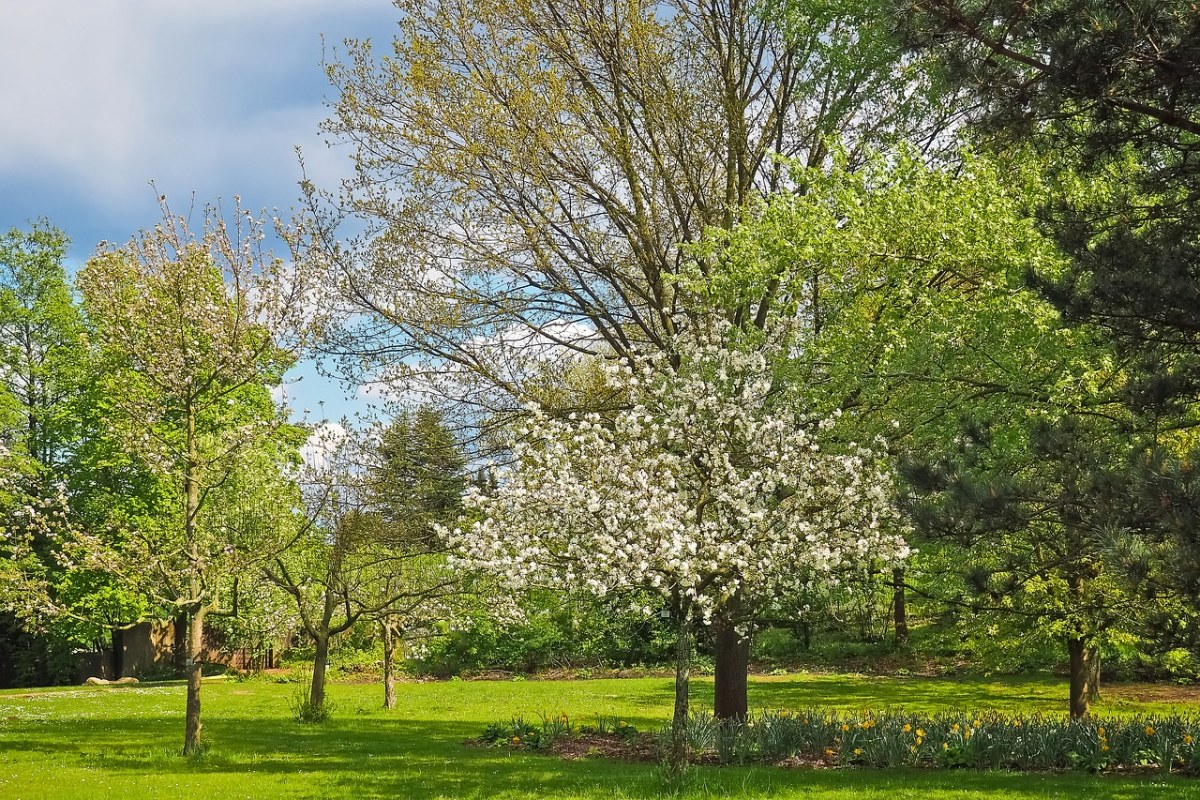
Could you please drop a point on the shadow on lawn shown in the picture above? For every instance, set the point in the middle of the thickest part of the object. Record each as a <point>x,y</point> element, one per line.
<point>376,756</point>
<point>917,694</point>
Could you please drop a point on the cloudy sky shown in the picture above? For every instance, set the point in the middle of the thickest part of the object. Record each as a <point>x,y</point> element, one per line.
<point>209,98</point>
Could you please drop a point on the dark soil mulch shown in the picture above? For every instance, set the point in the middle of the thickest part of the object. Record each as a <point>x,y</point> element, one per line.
<point>599,745</point>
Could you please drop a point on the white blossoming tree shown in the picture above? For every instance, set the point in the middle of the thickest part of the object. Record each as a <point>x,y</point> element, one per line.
<point>712,487</point>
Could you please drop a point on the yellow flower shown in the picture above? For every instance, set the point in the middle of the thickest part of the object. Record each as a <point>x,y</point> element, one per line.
<point>912,748</point>
<point>920,732</point>
<point>968,733</point>
<point>516,740</point>
<point>1100,731</point>
<point>622,724</point>
<point>828,751</point>
<point>1187,738</point>
<point>845,727</point>
<point>919,740</point>
<point>1103,748</point>
<point>954,727</point>
<point>858,751</point>
<point>945,746</point>
<point>978,723</point>
<point>1149,730</point>
<point>907,728</point>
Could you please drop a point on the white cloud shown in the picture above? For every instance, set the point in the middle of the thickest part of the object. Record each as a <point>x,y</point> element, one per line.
<point>113,93</point>
<point>322,445</point>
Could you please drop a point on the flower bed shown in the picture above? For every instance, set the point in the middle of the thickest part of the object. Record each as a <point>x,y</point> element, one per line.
<point>815,737</point>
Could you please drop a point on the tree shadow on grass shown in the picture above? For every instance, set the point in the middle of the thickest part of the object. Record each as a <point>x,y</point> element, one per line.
<point>916,693</point>
<point>381,757</point>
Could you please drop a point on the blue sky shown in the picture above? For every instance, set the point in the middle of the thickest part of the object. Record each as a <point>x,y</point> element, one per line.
<point>209,98</point>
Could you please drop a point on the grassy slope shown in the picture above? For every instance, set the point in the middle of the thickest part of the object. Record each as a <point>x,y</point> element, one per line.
<point>121,741</point>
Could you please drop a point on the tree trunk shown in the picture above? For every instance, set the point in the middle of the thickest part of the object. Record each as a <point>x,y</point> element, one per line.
<point>899,607</point>
<point>195,638</point>
<point>389,677</point>
<point>683,666</point>
<point>1081,677</point>
<point>316,695</point>
<point>1094,679</point>
<point>192,667</point>
<point>731,662</point>
<point>115,640</point>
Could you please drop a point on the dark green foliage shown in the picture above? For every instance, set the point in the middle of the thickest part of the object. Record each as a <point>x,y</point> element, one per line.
<point>555,633</point>
<point>420,476</point>
<point>1109,94</point>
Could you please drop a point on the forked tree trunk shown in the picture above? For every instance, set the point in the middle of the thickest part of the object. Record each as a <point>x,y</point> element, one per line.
<point>1081,656</point>
<point>683,667</point>
<point>389,677</point>
<point>899,606</point>
<point>193,666</point>
<point>731,662</point>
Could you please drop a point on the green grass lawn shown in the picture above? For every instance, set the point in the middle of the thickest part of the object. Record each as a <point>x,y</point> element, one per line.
<point>121,742</point>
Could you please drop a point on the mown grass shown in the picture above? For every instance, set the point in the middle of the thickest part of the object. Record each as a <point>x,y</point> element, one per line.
<point>122,742</point>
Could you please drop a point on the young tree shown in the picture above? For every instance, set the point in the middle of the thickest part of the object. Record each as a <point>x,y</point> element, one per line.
<point>368,551</point>
<point>194,330</point>
<point>712,489</point>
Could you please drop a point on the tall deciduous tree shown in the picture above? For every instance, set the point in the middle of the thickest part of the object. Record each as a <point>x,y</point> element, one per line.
<point>531,174</point>
<point>923,326</point>
<point>195,329</point>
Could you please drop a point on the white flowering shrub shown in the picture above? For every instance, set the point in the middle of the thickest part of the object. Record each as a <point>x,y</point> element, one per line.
<point>713,481</point>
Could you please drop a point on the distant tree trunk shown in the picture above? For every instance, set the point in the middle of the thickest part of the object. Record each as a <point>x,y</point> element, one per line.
<point>389,677</point>
<point>683,666</point>
<point>116,640</point>
<point>193,666</point>
<point>1081,656</point>
<point>899,606</point>
<point>731,662</point>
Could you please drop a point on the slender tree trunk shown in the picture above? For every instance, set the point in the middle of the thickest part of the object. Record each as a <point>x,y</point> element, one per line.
<point>316,694</point>
<point>195,638</point>
<point>683,667</point>
<point>389,677</point>
<point>731,662</point>
<point>192,666</point>
<point>1081,676</point>
<point>899,606</point>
